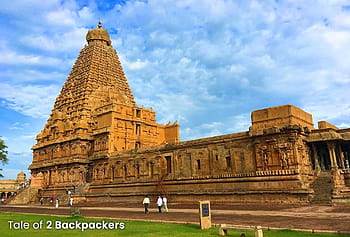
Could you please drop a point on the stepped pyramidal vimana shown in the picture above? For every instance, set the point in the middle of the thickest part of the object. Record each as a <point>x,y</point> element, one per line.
<point>100,142</point>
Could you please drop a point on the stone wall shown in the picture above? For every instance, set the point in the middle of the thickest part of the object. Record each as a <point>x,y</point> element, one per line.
<point>234,167</point>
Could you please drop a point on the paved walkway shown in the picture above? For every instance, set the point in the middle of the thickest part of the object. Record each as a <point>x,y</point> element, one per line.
<point>323,218</point>
<point>320,212</point>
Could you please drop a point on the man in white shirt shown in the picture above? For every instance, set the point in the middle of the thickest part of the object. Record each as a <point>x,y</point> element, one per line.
<point>159,204</point>
<point>71,201</point>
<point>165,204</point>
<point>145,203</point>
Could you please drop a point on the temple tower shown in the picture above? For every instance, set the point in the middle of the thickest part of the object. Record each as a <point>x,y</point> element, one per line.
<point>94,115</point>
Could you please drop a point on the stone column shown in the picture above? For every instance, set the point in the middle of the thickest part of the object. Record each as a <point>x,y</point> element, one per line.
<point>332,155</point>
<point>315,157</point>
<point>341,156</point>
<point>112,172</point>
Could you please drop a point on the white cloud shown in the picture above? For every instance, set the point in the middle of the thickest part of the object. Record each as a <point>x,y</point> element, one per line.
<point>236,123</point>
<point>199,62</point>
<point>215,56</point>
<point>18,126</point>
<point>61,17</point>
<point>343,125</point>
<point>34,101</point>
<point>28,6</point>
<point>136,65</point>
<point>32,75</point>
<point>71,40</point>
<point>14,58</point>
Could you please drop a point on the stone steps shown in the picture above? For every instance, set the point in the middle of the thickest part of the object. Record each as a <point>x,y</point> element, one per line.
<point>323,188</point>
<point>61,192</point>
<point>28,195</point>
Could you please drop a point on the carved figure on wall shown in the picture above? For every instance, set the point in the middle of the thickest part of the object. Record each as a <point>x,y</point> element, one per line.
<point>151,169</point>
<point>137,170</point>
<point>63,175</point>
<point>94,173</point>
<point>106,171</point>
<point>129,168</point>
<point>143,166</point>
<point>284,159</point>
<point>118,169</point>
<point>82,176</point>
<point>104,144</point>
<point>125,171</point>
<point>265,160</point>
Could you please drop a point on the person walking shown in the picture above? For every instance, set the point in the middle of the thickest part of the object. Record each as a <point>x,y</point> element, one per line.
<point>145,203</point>
<point>165,204</point>
<point>159,204</point>
<point>57,202</point>
<point>71,201</point>
<point>41,201</point>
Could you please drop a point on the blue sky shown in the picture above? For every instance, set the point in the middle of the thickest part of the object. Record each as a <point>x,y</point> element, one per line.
<point>205,63</point>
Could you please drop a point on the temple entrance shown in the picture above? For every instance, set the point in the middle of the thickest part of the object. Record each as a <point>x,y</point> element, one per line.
<point>323,156</point>
<point>330,155</point>
<point>321,159</point>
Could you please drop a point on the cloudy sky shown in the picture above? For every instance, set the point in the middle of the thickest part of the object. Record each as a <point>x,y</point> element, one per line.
<point>205,63</point>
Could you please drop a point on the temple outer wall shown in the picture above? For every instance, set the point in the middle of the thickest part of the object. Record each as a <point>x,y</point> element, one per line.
<point>238,167</point>
<point>263,187</point>
<point>275,164</point>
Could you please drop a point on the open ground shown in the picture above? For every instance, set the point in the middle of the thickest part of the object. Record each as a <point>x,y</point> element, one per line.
<point>314,217</point>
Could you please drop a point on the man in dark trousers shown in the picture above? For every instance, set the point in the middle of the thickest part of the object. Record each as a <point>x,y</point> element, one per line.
<point>160,204</point>
<point>145,203</point>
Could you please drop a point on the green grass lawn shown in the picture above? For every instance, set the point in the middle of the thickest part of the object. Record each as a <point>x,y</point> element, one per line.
<point>131,228</point>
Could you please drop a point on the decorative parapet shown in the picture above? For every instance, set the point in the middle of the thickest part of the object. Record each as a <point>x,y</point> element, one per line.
<point>249,174</point>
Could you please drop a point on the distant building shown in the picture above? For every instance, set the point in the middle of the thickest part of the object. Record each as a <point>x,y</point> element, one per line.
<point>10,187</point>
<point>100,141</point>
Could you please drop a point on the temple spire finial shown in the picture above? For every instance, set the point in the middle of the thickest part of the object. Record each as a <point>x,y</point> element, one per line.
<point>98,35</point>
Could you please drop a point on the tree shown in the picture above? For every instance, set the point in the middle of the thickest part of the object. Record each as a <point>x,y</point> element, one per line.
<point>3,154</point>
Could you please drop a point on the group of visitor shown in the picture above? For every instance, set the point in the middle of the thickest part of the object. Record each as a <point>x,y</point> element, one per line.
<point>57,201</point>
<point>162,204</point>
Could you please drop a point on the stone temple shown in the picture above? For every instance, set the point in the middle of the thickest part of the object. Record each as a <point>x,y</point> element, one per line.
<point>98,140</point>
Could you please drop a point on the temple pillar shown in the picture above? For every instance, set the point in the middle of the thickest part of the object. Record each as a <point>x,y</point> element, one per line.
<point>332,155</point>
<point>112,172</point>
<point>315,157</point>
<point>341,156</point>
